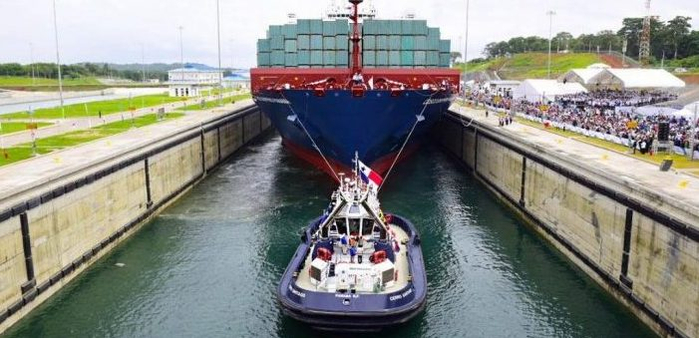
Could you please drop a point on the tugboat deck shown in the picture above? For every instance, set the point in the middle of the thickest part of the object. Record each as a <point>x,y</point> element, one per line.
<point>401,264</point>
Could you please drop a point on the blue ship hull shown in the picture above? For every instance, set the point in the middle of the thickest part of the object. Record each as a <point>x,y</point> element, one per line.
<point>363,312</point>
<point>375,125</point>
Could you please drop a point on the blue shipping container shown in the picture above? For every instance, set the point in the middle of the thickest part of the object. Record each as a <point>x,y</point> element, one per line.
<point>341,27</point>
<point>329,43</point>
<point>407,58</point>
<point>342,59</point>
<point>316,42</point>
<point>291,60</point>
<point>432,58</point>
<point>381,42</point>
<point>369,58</point>
<point>421,42</point>
<point>290,46</point>
<point>445,46</point>
<point>420,58</point>
<point>289,31</point>
<point>394,58</point>
<point>263,59</point>
<point>316,57</point>
<point>342,42</point>
<point>274,30</point>
<point>329,28</point>
<point>277,42</point>
<point>316,27</point>
<point>328,58</point>
<point>395,27</point>
<point>369,42</point>
<point>407,42</point>
<point>394,42</point>
<point>277,58</point>
<point>419,27</point>
<point>382,58</point>
<point>303,26</point>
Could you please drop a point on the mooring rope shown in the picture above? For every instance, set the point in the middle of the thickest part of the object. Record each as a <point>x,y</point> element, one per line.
<point>417,120</point>
<point>298,117</point>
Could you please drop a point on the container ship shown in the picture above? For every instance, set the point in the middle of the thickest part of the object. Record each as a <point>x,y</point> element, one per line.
<point>353,84</point>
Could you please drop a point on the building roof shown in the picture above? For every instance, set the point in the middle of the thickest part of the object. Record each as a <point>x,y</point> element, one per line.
<point>195,69</point>
<point>637,78</point>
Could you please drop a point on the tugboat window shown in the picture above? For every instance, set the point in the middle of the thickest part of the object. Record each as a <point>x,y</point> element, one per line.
<point>354,226</point>
<point>341,226</point>
<point>367,227</point>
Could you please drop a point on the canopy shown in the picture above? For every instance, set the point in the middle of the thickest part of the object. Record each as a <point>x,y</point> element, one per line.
<point>534,90</point>
<point>636,78</point>
<point>581,76</point>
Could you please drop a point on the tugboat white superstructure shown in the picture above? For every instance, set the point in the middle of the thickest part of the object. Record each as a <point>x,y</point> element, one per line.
<point>356,268</point>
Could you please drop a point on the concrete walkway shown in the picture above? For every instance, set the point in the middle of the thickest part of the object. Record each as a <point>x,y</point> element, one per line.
<point>46,169</point>
<point>74,124</point>
<point>673,184</point>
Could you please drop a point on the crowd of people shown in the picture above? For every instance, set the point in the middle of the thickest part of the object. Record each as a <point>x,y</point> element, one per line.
<point>598,112</point>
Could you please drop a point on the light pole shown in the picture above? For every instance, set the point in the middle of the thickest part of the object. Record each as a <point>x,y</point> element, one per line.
<point>693,138</point>
<point>58,61</point>
<point>550,14</point>
<point>466,50</point>
<point>220,72</point>
<point>31,59</point>
<point>181,48</point>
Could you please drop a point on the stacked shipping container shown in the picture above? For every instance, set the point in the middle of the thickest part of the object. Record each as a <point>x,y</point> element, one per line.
<point>325,44</point>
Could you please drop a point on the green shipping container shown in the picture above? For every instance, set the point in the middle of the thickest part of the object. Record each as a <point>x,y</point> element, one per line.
<point>394,42</point>
<point>304,58</point>
<point>395,27</point>
<point>394,58</point>
<point>304,42</point>
<point>289,31</point>
<point>277,58</point>
<point>316,42</point>
<point>329,43</point>
<point>291,60</point>
<point>290,46</point>
<point>303,27</point>
<point>433,43</point>
<point>369,58</point>
<point>419,27</point>
<point>274,30</point>
<point>342,59</point>
<point>383,27</point>
<point>407,58</point>
<point>342,42</point>
<point>382,58</point>
<point>433,32</point>
<point>444,46</point>
<point>406,27</point>
<point>444,59</point>
<point>277,42</point>
<point>369,27</point>
<point>432,58</point>
<point>381,42</point>
<point>329,28</point>
<point>317,58</point>
<point>407,42</point>
<point>263,46</point>
<point>316,27</point>
<point>328,58</point>
<point>263,60</point>
<point>420,58</point>
<point>341,27</point>
<point>421,42</point>
<point>369,42</point>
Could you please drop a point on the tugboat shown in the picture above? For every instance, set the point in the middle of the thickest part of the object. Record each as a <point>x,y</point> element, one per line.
<point>357,269</point>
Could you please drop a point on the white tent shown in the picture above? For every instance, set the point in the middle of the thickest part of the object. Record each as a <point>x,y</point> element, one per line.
<point>598,66</point>
<point>636,78</point>
<point>581,76</point>
<point>688,111</point>
<point>534,90</point>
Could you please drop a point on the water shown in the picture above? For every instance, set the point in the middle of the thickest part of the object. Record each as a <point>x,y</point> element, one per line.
<point>209,265</point>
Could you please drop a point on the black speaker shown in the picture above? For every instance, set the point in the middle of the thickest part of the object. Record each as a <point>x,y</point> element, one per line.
<point>666,164</point>
<point>663,131</point>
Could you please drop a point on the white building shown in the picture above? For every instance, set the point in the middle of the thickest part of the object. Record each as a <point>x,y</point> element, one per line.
<point>188,81</point>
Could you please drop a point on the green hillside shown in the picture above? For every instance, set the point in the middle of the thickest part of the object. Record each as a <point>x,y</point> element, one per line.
<point>533,65</point>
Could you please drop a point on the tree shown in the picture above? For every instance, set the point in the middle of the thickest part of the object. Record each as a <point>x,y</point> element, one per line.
<point>562,38</point>
<point>453,56</point>
<point>676,30</point>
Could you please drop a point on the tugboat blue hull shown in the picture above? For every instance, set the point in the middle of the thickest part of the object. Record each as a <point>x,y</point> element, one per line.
<point>350,312</point>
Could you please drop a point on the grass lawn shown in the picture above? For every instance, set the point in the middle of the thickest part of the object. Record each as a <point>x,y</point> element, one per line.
<point>17,81</point>
<point>49,144</point>
<point>679,162</point>
<point>93,108</point>
<point>213,103</point>
<point>12,127</point>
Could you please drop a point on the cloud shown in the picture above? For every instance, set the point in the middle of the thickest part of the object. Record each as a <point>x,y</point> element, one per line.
<point>117,30</point>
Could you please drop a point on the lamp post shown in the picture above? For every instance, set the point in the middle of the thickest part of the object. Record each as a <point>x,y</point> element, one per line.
<point>31,59</point>
<point>550,14</point>
<point>693,138</point>
<point>220,73</point>
<point>181,48</point>
<point>58,61</point>
<point>466,50</point>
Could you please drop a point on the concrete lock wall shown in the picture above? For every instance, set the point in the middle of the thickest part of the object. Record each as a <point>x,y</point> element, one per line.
<point>54,231</point>
<point>641,249</point>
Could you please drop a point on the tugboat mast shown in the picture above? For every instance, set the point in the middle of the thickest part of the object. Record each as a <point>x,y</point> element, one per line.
<point>356,61</point>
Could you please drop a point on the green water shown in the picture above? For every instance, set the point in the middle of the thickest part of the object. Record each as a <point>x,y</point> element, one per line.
<point>209,265</point>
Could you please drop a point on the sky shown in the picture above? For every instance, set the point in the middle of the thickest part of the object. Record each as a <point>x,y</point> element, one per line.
<point>132,31</point>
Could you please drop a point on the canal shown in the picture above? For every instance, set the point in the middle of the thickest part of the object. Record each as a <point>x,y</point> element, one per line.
<point>208,265</point>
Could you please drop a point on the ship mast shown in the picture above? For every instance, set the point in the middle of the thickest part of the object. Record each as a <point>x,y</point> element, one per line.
<point>356,65</point>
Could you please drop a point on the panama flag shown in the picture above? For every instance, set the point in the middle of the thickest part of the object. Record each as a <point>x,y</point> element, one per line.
<point>369,176</point>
